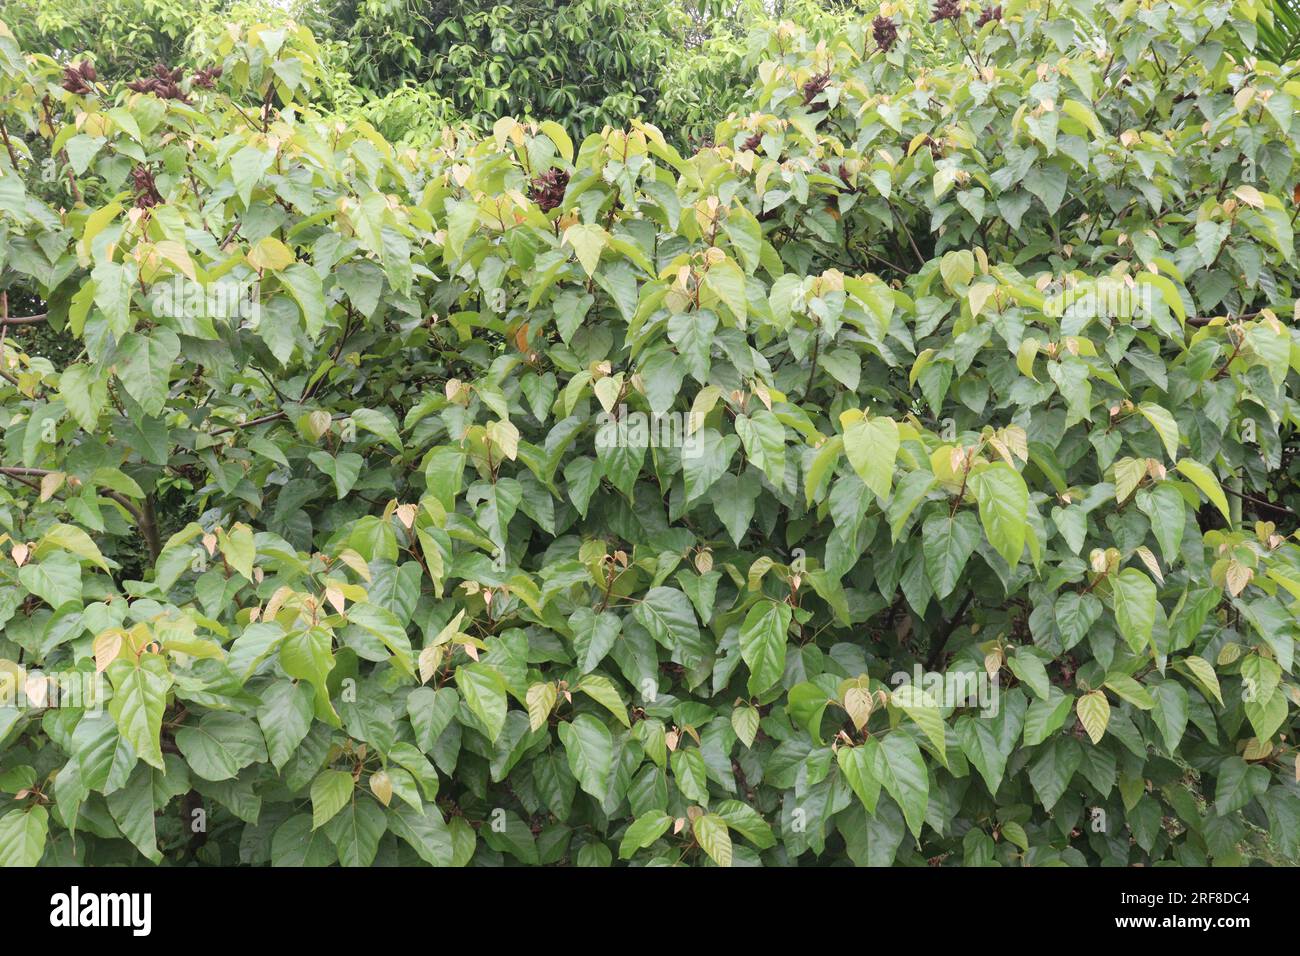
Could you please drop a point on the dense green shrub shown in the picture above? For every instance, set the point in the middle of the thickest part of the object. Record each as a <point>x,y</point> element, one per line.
<point>411,67</point>
<point>126,37</point>
<point>593,62</point>
<point>966,350</point>
<point>679,64</point>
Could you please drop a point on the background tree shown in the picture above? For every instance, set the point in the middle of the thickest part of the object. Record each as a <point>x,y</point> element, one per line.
<point>983,324</point>
<point>124,40</point>
<point>412,66</point>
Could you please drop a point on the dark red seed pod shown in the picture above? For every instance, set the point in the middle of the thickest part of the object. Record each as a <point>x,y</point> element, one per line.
<point>146,189</point>
<point>547,190</point>
<point>164,83</point>
<point>205,79</point>
<point>885,33</point>
<point>945,10</point>
<point>77,78</point>
<point>813,88</point>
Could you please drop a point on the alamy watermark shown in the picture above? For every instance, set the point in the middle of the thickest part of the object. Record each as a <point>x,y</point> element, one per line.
<point>75,908</point>
<point>1093,298</point>
<point>219,299</point>
<point>627,429</point>
<point>37,690</point>
<point>974,688</point>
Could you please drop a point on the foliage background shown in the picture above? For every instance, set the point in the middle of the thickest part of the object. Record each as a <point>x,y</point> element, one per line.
<point>989,323</point>
<point>412,66</point>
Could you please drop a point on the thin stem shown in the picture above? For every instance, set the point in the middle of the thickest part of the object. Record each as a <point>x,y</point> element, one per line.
<point>143,516</point>
<point>941,637</point>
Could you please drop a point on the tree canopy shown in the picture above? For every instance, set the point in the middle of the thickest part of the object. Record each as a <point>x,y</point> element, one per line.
<point>898,476</point>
